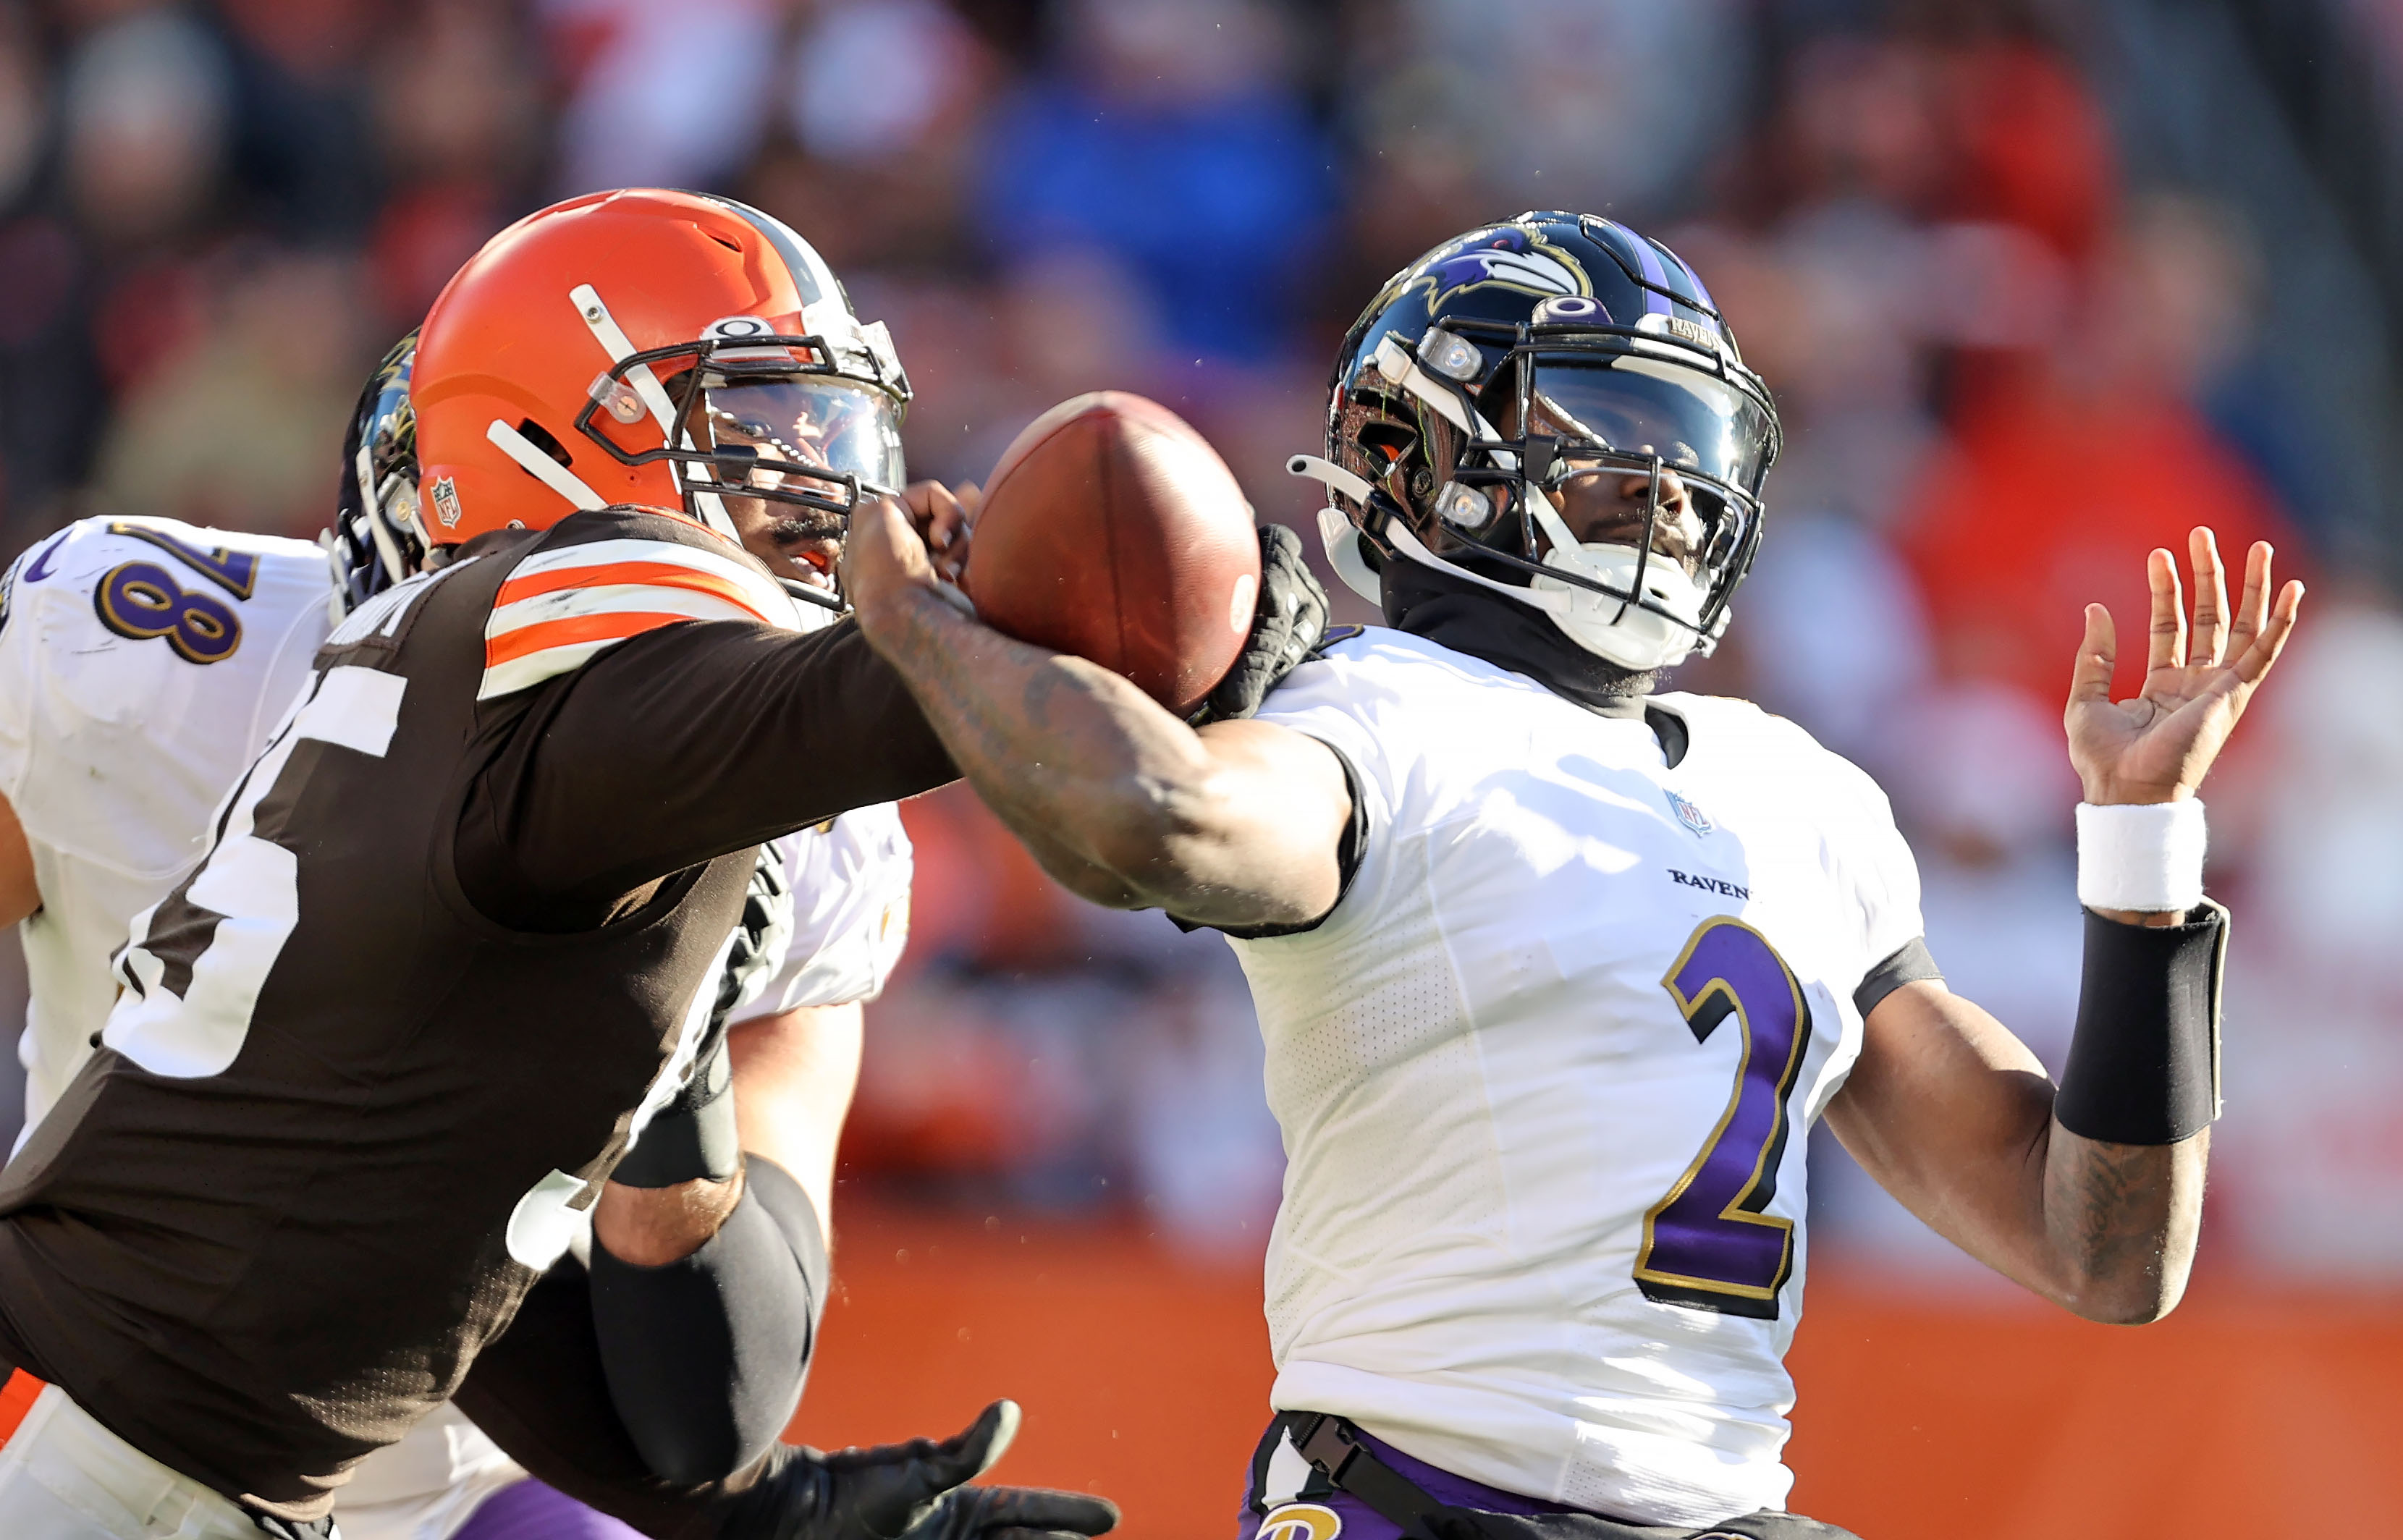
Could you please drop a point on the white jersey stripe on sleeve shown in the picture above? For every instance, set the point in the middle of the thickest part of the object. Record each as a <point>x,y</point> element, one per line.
<point>760,589</point>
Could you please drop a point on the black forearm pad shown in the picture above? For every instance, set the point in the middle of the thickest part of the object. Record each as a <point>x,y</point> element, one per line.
<point>540,1392</point>
<point>692,1137</point>
<point>2143,1066</point>
<point>705,1356</point>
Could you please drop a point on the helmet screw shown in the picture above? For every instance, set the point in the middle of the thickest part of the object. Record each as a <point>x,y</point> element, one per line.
<point>1464,507</point>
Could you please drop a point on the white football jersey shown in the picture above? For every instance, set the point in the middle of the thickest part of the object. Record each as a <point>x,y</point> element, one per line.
<point>144,663</point>
<point>1546,1070</point>
<point>850,879</point>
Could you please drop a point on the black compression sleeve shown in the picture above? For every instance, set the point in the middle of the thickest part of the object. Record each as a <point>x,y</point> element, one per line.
<point>705,1358</point>
<point>2144,1064</point>
<point>676,746</point>
<point>540,1392</point>
<point>693,1138</point>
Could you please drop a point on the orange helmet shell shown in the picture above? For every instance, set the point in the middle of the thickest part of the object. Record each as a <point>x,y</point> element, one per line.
<point>510,348</point>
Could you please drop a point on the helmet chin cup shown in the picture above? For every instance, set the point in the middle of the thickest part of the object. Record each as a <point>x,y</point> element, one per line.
<point>1336,534</point>
<point>1634,636</point>
<point>1342,539</point>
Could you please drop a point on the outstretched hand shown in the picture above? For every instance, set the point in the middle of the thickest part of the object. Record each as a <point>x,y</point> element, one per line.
<point>2156,746</point>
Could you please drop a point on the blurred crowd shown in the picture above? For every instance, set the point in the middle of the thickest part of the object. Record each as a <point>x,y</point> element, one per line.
<point>2006,373</point>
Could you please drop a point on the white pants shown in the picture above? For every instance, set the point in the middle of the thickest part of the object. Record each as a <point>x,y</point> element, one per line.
<point>427,1485</point>
<point>63,1477</point>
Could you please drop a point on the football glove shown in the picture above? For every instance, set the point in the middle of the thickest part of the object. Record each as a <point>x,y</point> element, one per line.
<point>915,1490</point>
<point>1287,624</point>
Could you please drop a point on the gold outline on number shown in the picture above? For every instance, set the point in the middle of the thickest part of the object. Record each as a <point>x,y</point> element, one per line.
<point>1734,1211</point>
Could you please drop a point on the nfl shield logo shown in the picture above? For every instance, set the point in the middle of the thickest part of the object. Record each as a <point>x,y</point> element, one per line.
<point>445,497</point>
<point>1691,816</point>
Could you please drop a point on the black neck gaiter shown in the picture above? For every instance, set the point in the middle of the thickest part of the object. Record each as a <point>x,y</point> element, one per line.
<point>1467,618</point>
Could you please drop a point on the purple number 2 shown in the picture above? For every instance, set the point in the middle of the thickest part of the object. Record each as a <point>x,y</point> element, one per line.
<point>1708,1244</point>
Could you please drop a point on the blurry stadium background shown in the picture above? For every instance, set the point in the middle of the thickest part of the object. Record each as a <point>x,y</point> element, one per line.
<point>2037,284</point>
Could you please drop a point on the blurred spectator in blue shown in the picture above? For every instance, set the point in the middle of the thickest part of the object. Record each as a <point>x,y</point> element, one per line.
<point>872,142</point>
<point>1169,138</point>
<point>302,155</point>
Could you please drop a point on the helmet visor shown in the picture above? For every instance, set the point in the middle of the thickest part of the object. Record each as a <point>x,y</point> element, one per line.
<point>1630,404</point>
<point>789,428</point>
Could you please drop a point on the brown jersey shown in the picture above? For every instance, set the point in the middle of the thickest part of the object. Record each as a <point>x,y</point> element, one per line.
<point>456,938</point>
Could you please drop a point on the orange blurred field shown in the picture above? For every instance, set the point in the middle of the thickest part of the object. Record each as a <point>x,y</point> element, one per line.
<point>2245,1414</point>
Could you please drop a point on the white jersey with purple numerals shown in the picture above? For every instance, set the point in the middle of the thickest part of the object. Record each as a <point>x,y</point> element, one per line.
<point>1545,1076</point>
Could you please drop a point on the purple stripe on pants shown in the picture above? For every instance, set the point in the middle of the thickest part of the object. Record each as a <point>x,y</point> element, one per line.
<point>531,1511</point>
<point>1362,1522</point>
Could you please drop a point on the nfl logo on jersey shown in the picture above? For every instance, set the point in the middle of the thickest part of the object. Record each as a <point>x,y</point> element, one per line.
<point>1691,816</point>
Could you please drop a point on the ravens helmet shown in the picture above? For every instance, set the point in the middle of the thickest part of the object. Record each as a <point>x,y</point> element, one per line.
<point>1552,408</point>
<point>376,540</point>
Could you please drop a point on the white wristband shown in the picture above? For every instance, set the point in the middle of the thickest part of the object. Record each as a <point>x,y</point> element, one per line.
<point>2145,857</point>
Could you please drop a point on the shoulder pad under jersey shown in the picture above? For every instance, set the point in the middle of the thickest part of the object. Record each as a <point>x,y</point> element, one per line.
<point>595,579</point>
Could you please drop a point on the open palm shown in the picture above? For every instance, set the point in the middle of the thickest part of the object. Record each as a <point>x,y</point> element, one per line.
<point>2154,746</point>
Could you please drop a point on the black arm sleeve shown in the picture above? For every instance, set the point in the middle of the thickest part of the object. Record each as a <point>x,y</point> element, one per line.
<point>2144,1062</point>
<point>541,1391</point>
<point>676,746</point>
<point>705,1358</point>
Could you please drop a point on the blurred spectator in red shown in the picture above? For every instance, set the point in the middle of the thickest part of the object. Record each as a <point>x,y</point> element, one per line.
<point>2056,485</point>
<point>1169,138</point>
<point>456,118</point>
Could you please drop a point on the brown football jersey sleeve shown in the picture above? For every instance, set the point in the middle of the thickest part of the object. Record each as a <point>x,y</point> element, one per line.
<point>676,746</point>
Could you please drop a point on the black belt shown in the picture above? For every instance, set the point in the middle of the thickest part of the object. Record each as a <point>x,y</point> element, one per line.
<point>1335,1449</point>
<point>1332,1446</point>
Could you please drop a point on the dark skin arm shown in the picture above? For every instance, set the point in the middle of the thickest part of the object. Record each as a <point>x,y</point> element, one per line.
<point>1954,1116</point>
<point>1237,824</point>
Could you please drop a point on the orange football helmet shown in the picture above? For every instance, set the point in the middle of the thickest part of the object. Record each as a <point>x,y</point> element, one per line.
<point>665,349</point>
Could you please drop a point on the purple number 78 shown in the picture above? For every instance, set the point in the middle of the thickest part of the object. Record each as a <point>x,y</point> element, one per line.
<point>1709,1244</point>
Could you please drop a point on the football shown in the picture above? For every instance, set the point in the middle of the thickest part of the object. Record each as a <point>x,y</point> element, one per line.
<point>1113,531</point>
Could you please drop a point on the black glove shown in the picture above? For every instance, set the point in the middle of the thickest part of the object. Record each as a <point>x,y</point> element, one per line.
<point>1287,625</point>
<point>910,1492</point>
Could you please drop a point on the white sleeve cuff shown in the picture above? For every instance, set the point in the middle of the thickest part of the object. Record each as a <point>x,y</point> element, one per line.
<point>2147,857</point>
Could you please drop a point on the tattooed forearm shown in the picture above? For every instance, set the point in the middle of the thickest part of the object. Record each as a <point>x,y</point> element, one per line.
<point>1050,742</point>
<point>2123,1220</point>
